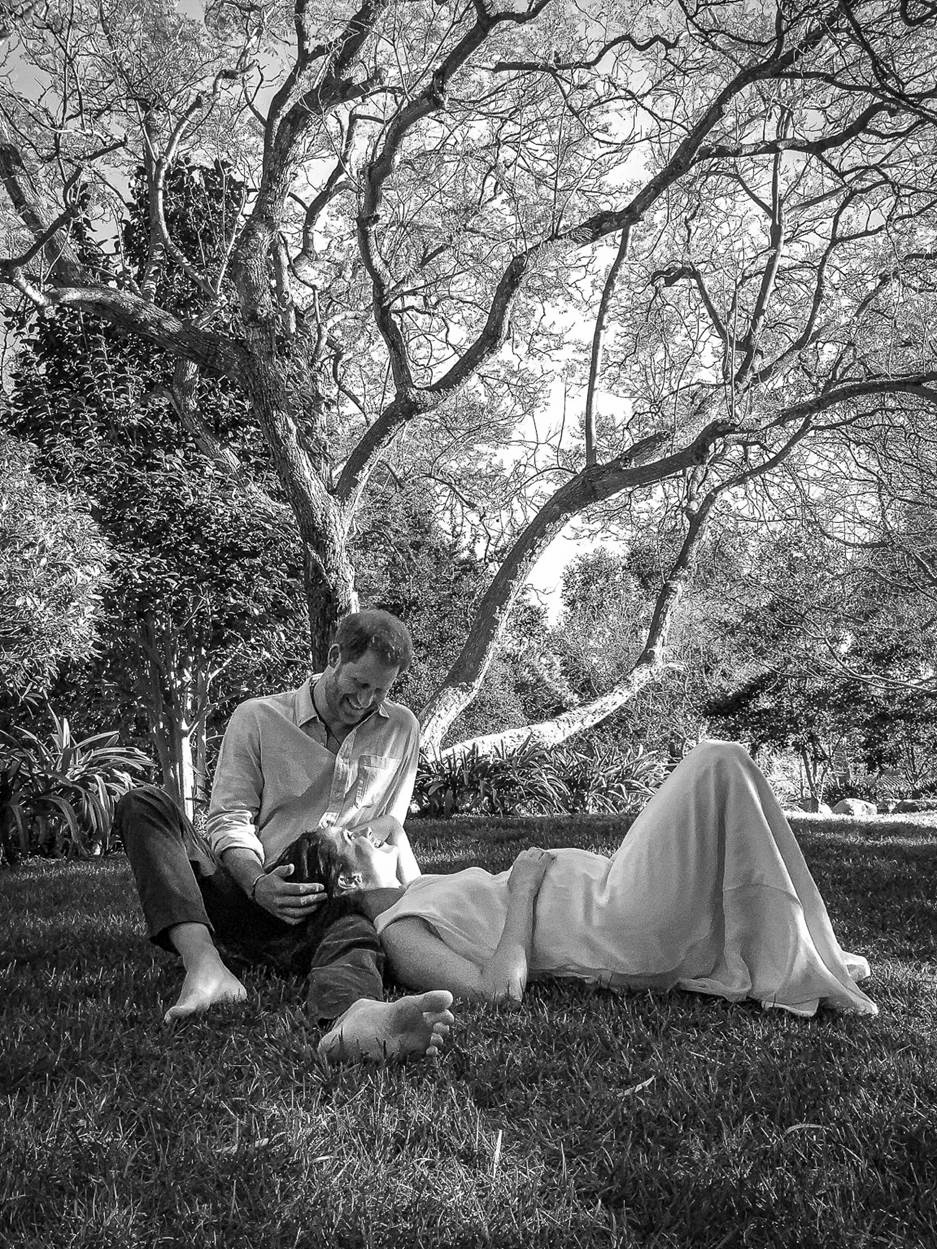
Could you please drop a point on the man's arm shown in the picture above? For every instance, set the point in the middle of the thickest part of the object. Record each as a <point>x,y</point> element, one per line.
<point>231,825</point>
<point>395,808</point>
<point>237,789</point>
<point>396,801</point>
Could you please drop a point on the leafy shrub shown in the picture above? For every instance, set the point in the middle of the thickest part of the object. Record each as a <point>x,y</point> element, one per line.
<point>533,781</point>
<point>58,796</point>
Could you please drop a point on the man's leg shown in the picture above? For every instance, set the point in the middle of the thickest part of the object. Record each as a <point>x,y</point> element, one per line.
<point>167,860</point>
<point>348,964</point>
<point>339,950</point>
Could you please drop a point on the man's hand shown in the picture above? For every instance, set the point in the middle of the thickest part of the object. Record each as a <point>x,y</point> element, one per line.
<point>287,901</point>
<point>529,869</point>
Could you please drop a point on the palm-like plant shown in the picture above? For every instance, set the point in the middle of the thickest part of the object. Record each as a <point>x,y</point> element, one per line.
<point>58,796</point>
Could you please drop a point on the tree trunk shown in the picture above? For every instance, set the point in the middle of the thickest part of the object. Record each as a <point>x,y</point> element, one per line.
<point>287,405</point>
<point>456,695</point>
<point>176,708</point>
<point>632,469</point>
<point>549,733</point>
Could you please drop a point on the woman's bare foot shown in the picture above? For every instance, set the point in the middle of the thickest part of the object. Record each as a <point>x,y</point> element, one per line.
<point>413,1027</point>
<point>205,986</point>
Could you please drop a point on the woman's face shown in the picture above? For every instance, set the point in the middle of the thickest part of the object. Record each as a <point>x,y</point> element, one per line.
<point>367,863</point>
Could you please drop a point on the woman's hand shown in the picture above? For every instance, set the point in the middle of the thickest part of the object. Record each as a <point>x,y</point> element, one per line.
<point>504,976</point>
<point>529,869</point>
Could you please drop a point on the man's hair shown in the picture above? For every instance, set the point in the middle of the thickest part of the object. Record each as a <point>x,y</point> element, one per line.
<point>378,631</point>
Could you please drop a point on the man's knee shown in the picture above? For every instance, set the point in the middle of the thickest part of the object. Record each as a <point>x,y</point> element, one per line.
<point>343,936</point>
<point>143,808</point>
<point>130,803</point>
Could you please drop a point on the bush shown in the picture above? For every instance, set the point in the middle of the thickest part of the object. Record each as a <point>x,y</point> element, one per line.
<point>57,797</point>
<point>532,781</point>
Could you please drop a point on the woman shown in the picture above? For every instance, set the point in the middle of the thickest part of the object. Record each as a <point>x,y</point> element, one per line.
<point>708,892</point>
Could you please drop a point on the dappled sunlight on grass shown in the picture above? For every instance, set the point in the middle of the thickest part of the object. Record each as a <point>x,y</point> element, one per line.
<point>584,1117</point>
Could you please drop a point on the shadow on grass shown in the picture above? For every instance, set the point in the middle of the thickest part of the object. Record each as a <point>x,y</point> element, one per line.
<point>584,1118</point>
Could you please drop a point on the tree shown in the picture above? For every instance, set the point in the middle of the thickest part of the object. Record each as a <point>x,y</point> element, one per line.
<point>410,564</point>
<point>734,197</point>
<point>838,648</point>
<point>53,572</point>
<point>204,571</point>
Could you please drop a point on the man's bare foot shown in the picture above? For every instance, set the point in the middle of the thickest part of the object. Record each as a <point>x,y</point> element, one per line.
<point>413,1027</point>
<point>204,986</point>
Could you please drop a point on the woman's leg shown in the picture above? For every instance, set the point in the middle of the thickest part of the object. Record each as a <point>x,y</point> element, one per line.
<point>712,868</point>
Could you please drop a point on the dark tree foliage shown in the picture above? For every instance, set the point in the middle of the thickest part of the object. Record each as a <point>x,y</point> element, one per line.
<point>205,571</point>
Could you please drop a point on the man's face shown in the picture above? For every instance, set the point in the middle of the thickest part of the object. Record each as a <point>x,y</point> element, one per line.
<point>355,688</point>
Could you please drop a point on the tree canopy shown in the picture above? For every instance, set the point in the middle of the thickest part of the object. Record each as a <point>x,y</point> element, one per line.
<point>709,226</point>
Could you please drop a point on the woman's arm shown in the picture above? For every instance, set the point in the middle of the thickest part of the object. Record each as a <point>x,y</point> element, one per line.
<point>389,829</point>
<point>505,973</point>
<point>421,960</point>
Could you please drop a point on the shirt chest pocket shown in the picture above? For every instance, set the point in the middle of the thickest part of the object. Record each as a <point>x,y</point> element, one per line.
<point>375,774</point>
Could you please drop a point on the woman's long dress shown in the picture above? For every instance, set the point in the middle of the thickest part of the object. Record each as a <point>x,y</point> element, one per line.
<point>708,891</point>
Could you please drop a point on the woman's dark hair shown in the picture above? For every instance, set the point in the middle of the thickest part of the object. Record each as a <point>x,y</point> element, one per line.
<point>315,860</point>
<point>331,863</point>
<point>378,631</point>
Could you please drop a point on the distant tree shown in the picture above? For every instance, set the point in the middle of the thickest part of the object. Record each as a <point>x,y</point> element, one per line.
<point>53,562</point>
<point>205,568</point>
<point>411,564</point>
<point>840,658</point>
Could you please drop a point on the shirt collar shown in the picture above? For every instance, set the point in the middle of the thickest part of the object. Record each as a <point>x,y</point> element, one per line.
<point>306,708</point>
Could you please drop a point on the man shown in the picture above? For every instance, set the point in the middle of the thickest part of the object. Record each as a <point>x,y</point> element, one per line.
<point>333,752</point>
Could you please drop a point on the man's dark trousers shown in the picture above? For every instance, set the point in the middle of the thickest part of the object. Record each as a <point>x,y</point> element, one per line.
<point>179,882</point>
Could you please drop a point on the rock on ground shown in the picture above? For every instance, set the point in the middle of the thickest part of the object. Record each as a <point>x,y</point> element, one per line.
<point>855,806</point>
<point>814,807</point>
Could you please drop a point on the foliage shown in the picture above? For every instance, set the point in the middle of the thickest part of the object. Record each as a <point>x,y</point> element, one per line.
<point>608,595</point>
<point>205,596</point>
<point>537,782</point>
<point>57,796</point>
<point>53,562</point>
<point>714,218</point>
<point>411,566</point>
<point>840,651</point>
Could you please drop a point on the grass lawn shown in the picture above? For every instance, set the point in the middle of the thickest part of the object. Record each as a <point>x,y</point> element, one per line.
<point>582,1118</point>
